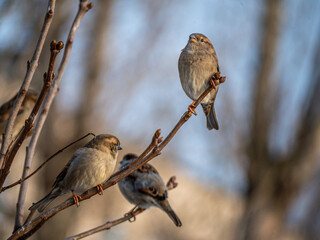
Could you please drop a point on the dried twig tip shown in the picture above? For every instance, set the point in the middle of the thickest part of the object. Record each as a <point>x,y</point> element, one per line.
<point>60,45</point>
<point>222,79</point>
<point>90,5</point>
<point>157,133</point>
<point>53,45</point>
<point>171,184</point>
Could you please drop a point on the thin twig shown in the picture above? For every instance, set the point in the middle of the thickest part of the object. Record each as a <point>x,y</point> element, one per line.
<point>153,149</point>
<point>106,226</point>
<point>31,67</point>
<point>21,180</point>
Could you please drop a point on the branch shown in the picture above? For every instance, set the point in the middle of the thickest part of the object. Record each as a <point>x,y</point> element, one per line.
<point>47,80</point>
<point>151,152</point>
<point>48,77</point>
<point>31,67</point>
<point>125,218</point>
<point>21,180</point>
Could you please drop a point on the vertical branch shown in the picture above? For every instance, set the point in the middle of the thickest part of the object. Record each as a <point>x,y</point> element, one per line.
<point>32,65</point>
<point>48,77</point>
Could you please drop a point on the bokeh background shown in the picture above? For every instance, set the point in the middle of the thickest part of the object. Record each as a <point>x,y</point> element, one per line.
<point>256,178</point>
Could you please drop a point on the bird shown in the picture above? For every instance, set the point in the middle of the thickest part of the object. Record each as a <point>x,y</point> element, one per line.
<point>145,188</point>
<point>198,65</point>
<point>24,112</point>
<point>89,166</point>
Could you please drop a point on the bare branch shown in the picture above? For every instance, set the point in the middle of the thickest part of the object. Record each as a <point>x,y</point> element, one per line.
<point>106,226</point>
<point>31,67</point>
<point>151,152</point>
<point>48,77</point>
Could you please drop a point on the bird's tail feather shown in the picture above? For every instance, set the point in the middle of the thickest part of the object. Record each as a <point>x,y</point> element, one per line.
<point>212,121</point>
<point>173,216</point>
<point>44,202</point>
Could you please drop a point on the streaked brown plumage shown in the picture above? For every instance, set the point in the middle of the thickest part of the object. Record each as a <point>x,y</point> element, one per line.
<point>24,112</point>
<point>198,62</point>
<point>89,166</point>
<point>145,188</point>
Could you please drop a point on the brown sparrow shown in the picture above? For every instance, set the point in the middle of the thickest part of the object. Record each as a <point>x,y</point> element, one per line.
<point>145,188</point>
<point>89,166</point>
<point>24,112</point>
<point>198,63</point>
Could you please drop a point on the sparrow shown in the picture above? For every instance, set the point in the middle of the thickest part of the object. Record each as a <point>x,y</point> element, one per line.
<point>198,64</point>
<point>24,112</point>
<point>89,166</point>
<point>145,188</point>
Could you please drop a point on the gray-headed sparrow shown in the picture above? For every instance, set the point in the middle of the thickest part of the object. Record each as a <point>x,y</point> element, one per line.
<point>24,112</point>
<point>198,63</point>
<point>89,166</point>
<point>145,188</point>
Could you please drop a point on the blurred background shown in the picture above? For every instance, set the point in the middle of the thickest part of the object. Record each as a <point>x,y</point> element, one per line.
<point>256,178</point>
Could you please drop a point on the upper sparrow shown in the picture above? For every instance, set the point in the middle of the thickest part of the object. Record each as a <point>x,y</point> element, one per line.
<point>198,63</point>
<point>24,112</point>
<point>145,188</point>
<point>89,166</point>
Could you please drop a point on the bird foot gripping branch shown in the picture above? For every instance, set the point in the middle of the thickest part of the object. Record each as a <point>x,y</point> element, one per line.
<point>132,214</point>
<point>216,79</point>
<point>76,198</point>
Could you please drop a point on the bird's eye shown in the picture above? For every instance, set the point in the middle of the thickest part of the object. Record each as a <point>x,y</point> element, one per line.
<point>202,40</point>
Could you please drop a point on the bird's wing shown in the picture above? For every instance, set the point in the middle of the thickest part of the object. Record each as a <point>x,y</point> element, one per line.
<point>150,183</point>
<point>64,171</point>
<point>147,168</point>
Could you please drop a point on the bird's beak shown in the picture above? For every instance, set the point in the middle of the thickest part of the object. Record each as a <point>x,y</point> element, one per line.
<point>193,38</point>
<point>119,148</point>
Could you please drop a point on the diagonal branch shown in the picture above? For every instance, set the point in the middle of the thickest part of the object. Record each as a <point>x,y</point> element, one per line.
<point>152,151</point>
<point>106,226</point>
<point>31,67</point>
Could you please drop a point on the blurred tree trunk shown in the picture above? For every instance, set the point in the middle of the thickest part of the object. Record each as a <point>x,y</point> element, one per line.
<point>95,64</point>
<point>274,180</point>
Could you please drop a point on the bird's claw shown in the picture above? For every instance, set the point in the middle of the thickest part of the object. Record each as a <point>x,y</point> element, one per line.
<point>216,79</point>
<point>100,189</point>
<point>76,198</point>
<point>132,216</point>
<point>192,109</point>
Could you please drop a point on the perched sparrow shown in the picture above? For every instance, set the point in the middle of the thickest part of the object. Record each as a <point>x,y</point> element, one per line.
<point>145,188</point>
<point>24,112</point>
<point>198,63</point>
<point>89,166</point>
